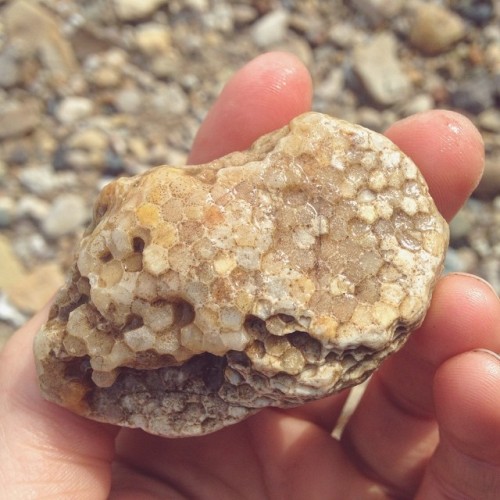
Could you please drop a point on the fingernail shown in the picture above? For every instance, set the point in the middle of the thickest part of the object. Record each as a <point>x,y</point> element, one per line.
<point>490,353</point>
<point>477,278</point>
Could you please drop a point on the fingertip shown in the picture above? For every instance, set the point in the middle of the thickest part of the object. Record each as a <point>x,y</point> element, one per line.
<point>449,151</point>
<point>466,394</point>
<point>262,96</point>
<point>464,315</point>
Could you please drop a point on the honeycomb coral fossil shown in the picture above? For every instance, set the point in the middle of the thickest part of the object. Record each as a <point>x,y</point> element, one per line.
<point>268,277</point>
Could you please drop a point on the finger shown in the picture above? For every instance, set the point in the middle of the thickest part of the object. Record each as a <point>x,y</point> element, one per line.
<point>262,96</point>
<point>392,433</point>
<point>467,461</point>
<point>45,450</point>
<point>449,152</point>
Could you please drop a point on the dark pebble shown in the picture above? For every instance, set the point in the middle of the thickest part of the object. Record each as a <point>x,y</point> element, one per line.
<point>477,11</point>
<point>474,94</point>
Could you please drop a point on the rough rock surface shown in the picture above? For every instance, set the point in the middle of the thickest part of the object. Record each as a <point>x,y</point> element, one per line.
<point>266,278</point>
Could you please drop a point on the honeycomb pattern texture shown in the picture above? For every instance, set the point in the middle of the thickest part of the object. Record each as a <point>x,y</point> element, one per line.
<point>268,277</point>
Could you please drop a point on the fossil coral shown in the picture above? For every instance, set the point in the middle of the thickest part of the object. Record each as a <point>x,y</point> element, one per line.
<point>268,277</point>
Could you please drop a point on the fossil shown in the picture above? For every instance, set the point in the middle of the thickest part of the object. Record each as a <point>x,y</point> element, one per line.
<point>268,277</point>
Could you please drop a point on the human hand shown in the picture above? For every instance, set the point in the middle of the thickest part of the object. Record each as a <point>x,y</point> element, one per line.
<point>427,427</point>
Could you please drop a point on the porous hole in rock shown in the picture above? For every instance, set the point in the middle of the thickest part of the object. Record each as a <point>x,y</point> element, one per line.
<point>78,369</point>
<point>133,322</point>
<point>208,368</point>
<point>308,346</point>
<point>138,244</point>
<point>183,312</point>
<point>106,256</point>
<point>255,327</point>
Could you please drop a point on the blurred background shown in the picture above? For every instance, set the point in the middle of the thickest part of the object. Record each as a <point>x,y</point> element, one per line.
<point>96,89</point>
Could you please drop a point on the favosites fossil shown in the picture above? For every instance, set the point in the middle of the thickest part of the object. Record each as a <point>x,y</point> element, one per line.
<point>268,277</point>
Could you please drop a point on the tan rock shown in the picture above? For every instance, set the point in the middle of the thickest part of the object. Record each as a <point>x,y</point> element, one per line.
<point>11,268</point>
<point>34,27</point>
<point>33,290</point>
<point>18,118</point>
<point>269,277</point>
<point>435,29</point>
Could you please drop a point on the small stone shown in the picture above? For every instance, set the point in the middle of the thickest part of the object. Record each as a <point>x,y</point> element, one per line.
<point>106,77</point>
<point>345,35</point>
<point>474,94</point>
<point>435,29</point>
<point>11,269</point>
<point>461,225</point>
<point>489,185</point>
<point>170,99</point>
<point>132,10</point>
<point>417,104</point>
<point>477,11</point>
<point>489,120</point>
<point>90,139</point>
<point>153,39</point>
<point>32,207</point>
<point>460,260</point>
<point>7,209</point>
<point>271,28</point>
<point>67,214</point>
<point>378,68</point>
<point>32,292</point>
<point>128,100</point>
<point>37,30</point>
<point>268,277</point>
<point>10,74</point>
<point>73,109</point>
<point>18,118</point>
<point>378,11</point>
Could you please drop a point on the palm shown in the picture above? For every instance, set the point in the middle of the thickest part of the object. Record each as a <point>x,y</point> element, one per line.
<point>428,425</point>
<point>275,454</point>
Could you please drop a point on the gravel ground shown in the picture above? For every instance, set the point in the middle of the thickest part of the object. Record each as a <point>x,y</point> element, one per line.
<point>98,89</point>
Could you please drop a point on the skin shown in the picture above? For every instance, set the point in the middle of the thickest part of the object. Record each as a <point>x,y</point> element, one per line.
<point>427,427</point>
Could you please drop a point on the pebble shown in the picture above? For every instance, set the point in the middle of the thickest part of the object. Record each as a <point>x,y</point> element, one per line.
<point>42,180</point>
<point>461,225</point>
<point>89,139</point>
<point>489,185</point>
<point>18,118</point>
<point>11,268</point>
<point>170,99</point>
<point>31,292</point>
<point>477,11</point>
<point>37,30</point>
<point>7,209</point>
<point>33,207</point>
<point>417,104</point>
<point>10,74</point>
<point>435,29</point>
<point>153,39</point>
<point>128,100</point>
<point>67,214</point>
<point>377,65</point>
<point>270,29</point>
<point>133,10</point>
<point>475,94</point>
<point>73,109</point>
<point>489,120</point>
<point>462,260</point>
<point>378,11</point>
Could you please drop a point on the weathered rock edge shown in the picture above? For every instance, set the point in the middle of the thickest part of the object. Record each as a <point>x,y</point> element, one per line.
<point>268,277</point>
